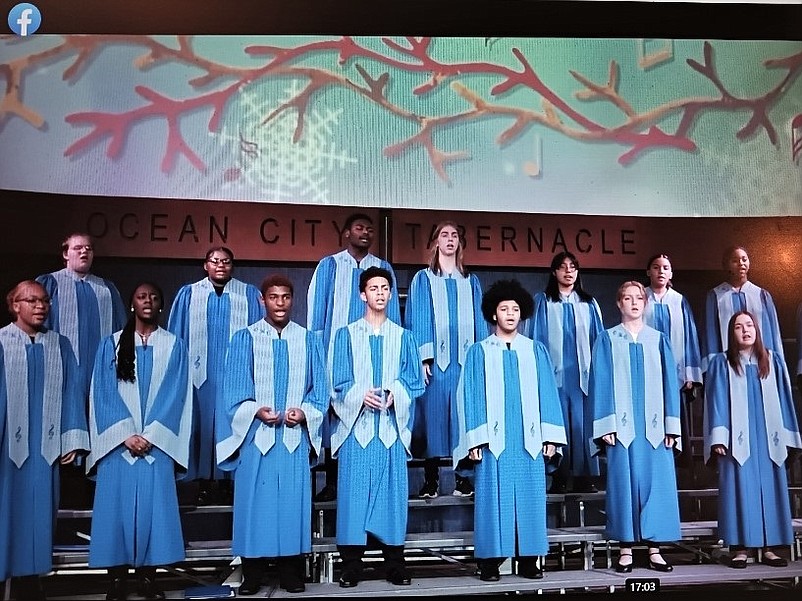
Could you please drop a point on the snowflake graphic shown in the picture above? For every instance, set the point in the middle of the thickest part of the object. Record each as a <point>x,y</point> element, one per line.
<point>267,160</point>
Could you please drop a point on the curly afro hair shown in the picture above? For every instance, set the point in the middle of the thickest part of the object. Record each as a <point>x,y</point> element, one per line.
<point>503,290</point>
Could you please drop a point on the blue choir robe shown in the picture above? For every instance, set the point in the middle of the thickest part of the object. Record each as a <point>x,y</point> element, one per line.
<point>373,446</point>
<point>206,322</point>
<point>635,395</point>
<point>271,464</point>
<point>755,420</point>
<point>444,313</point>
<point>724,301</point>
<point>42,417</point>
<point>569,329</point>
<point>509,405</point>
<point>135,519</point>
<point>672,316</point>
<point>85,310</point>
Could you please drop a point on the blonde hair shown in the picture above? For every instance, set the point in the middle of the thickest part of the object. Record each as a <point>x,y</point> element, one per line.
<point>631,283</point>
<point>434,259</point>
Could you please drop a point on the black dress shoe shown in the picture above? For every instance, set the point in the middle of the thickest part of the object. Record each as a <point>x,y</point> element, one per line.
<point>738,564</point>
<point>399,577</point>
<point>295,587</point>
<point>659,567</point>
<point>489,569</point>
<point>623,568</point>
<point>117,591</point>
<point>249,587</point>
<point>532,572</point>
<point>147,589</point>
<point>774,562</point>
<point>349,580</point>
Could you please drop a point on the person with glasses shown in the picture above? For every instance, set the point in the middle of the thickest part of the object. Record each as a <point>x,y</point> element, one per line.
<point>140,419</point>
<point>568,320</point>
<point>333,301</point>
<point>206,315</point>
<point>42,424</point>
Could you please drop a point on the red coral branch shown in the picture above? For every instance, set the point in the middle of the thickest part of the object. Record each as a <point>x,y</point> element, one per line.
<point>637,131</point>
<point>118,125</point>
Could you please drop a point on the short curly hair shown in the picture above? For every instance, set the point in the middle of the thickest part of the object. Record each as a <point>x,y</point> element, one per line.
<point>503,290</point>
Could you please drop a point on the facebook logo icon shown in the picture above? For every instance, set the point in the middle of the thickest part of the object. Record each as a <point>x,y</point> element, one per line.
<point>24,19</point>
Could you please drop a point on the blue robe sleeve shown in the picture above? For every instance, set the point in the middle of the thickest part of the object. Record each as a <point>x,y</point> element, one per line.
<point>551,415</point>
<point>74,428</point>
<point>169,420</point>
<point>786,402</point>
<point>693,356</point>
<point>770,328</point>
<point>601,388</point>
<point>717,404</point>
<point>118,313</point>
<point>671,397</point>
<point>539,324</point>
<point>316,400</point>
<point>255,307</point>
<point>409,385</point>
<point>50,286</point>
<point>320,297</point>
<point>474,400</point>
<point>110,422</point>
<point>596,326</point>
<point>347,401</point>
<point>711,342</point>
<point>420,315</point>
<point>394,306</point>
<point>481,327</point>
<point>239,404</point>
<point>3,403</point>
<point>178,322</point>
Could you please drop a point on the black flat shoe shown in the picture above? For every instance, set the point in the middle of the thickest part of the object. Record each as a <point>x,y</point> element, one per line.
<point>249,587</point>
<point>659,567</point>
<point>623,568</point>
<point>530,572</point>
<point>399,578</point>
<point>738,564</point>
<point>489,570</point>
<point>296,587</point>
<point>774,562</point>
<point>349,580</point>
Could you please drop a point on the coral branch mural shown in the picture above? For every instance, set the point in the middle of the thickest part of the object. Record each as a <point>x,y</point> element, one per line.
<point>394,77</point>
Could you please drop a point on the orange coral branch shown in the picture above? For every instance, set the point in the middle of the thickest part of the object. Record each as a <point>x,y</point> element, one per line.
<point>638,131</point>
